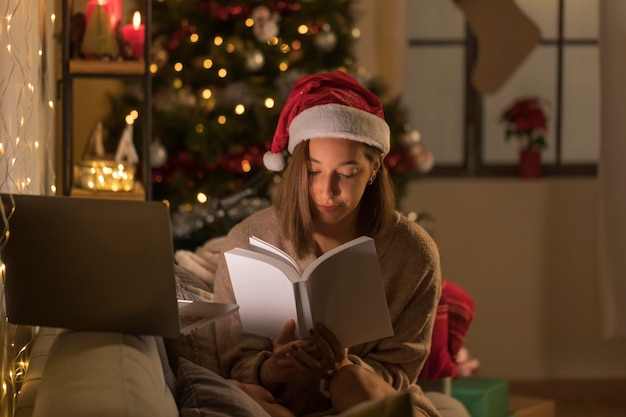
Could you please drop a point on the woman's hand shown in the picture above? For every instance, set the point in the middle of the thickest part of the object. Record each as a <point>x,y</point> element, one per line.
<point>321,354</point>
<point>332,356</point>
<point>289,357</point>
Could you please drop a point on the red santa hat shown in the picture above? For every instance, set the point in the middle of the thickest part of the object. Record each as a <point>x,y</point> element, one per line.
<point>332,105</point>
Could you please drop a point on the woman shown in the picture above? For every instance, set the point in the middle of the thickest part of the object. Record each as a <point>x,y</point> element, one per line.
<point>334,189</point>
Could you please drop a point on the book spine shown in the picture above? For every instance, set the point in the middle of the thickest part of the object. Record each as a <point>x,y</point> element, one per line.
<point>303,306</point>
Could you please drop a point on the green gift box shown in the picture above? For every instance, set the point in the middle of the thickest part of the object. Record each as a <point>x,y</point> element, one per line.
<point>482,397</point>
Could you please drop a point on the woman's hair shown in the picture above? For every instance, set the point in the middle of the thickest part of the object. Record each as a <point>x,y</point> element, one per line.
<point>293,202</point>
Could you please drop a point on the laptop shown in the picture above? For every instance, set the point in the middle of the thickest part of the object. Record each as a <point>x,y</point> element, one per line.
<point>95,264</point>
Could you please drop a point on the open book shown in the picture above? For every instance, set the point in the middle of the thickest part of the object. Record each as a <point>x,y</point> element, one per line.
<point>342,289</point>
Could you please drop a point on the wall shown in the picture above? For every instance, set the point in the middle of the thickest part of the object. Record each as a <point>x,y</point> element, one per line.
<point>527,252</point>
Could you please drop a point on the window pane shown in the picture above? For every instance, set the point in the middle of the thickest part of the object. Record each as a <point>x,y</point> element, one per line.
<point>544,13</point>
<point>535,77</point>
<point>581,19</point>
<point>434,20</point>
<point>581,104</point>
<point>435,99</point>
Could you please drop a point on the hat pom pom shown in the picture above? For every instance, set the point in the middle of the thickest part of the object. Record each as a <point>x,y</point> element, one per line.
<point>273,161</point>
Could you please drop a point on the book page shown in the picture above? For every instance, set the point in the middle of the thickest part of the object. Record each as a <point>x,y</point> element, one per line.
<point>347,294</point>
<point>261,246</point>
<point>263,289</point>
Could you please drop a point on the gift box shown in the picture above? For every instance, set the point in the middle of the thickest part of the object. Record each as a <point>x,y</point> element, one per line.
<point>482,397</point>
<point>522,406</point>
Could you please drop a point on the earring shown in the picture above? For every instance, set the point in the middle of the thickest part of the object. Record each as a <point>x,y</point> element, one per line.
<point>371,181</point>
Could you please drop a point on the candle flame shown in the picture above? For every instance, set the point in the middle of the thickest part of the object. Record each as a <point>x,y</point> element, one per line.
<point>136,20</point>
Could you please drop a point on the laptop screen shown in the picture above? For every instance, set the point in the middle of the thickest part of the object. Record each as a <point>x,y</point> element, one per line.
<point>90,264</point>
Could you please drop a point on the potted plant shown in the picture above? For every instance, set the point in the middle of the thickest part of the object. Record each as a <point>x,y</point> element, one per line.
<point>526,122</point>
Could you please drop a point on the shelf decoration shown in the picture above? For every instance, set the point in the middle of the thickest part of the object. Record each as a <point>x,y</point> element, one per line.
<point>97,172</point>
<point>99,40</point>
<point>134,36</point>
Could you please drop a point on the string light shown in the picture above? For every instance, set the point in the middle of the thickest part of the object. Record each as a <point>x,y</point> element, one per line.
<point>202,198</point>
<point>25,157</point>
<point>26,149</point>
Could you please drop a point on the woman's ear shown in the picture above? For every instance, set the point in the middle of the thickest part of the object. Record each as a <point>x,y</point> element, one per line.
<point>378,162</point>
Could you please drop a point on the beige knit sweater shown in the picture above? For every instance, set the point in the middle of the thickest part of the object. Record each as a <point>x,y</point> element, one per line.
<point>409,262</point>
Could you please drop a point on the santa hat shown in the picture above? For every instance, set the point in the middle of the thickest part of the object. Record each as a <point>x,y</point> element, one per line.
<point>332,105</point>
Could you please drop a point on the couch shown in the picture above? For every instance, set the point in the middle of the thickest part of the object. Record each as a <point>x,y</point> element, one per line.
<point>91,374</point>
<point>96,374</point>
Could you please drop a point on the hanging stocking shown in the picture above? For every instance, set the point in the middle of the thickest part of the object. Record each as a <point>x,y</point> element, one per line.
<point>505,37</point>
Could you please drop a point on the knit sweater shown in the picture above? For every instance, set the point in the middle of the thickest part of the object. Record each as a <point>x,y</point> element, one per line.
<point>409,263</point>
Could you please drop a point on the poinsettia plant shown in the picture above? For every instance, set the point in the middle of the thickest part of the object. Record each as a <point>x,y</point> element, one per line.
<point>526,122</point>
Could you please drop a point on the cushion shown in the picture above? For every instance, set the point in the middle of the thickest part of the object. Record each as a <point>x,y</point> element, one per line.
<point>455,313</point>
<point>203,393</point>
<point>104,374</point>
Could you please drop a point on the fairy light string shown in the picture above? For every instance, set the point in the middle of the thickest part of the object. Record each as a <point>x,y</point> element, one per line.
<point>27,126</point>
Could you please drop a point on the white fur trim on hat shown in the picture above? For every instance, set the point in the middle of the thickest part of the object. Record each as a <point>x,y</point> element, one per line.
<point>339,121</point>
<point>274,161</point>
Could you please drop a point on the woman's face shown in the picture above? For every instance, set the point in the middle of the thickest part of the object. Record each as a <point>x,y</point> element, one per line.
<point>338,173</point>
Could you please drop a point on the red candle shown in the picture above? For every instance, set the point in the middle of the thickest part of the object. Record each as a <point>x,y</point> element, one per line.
<point>135,35</point>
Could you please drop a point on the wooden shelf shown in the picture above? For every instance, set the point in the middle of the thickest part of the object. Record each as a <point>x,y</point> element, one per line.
<point>95,67</point>
<point>138,193</point>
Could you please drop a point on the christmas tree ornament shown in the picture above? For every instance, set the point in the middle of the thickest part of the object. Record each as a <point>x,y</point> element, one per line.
<point>255,60</point>
<point>326,39</point>
<point>160,55</point>
<point>158,154</point>
<point>423,158</point>
<point>265,23</point>
<point>412,138</point>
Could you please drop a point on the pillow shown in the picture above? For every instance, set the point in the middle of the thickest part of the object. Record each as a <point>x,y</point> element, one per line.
<point>203,393</point>
<point>103,374</point>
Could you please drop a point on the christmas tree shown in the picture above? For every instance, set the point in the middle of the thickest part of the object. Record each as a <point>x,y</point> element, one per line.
<point>221,72</point>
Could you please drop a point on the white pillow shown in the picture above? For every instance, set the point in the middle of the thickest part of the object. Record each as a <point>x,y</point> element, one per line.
<point>98,374</point>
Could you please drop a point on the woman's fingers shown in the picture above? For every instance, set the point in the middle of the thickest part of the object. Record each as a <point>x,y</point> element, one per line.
<point>338,351</point>
<point>288,333</point>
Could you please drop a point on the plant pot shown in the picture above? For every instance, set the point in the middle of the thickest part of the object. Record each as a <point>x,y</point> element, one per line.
<point>529,165</point>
